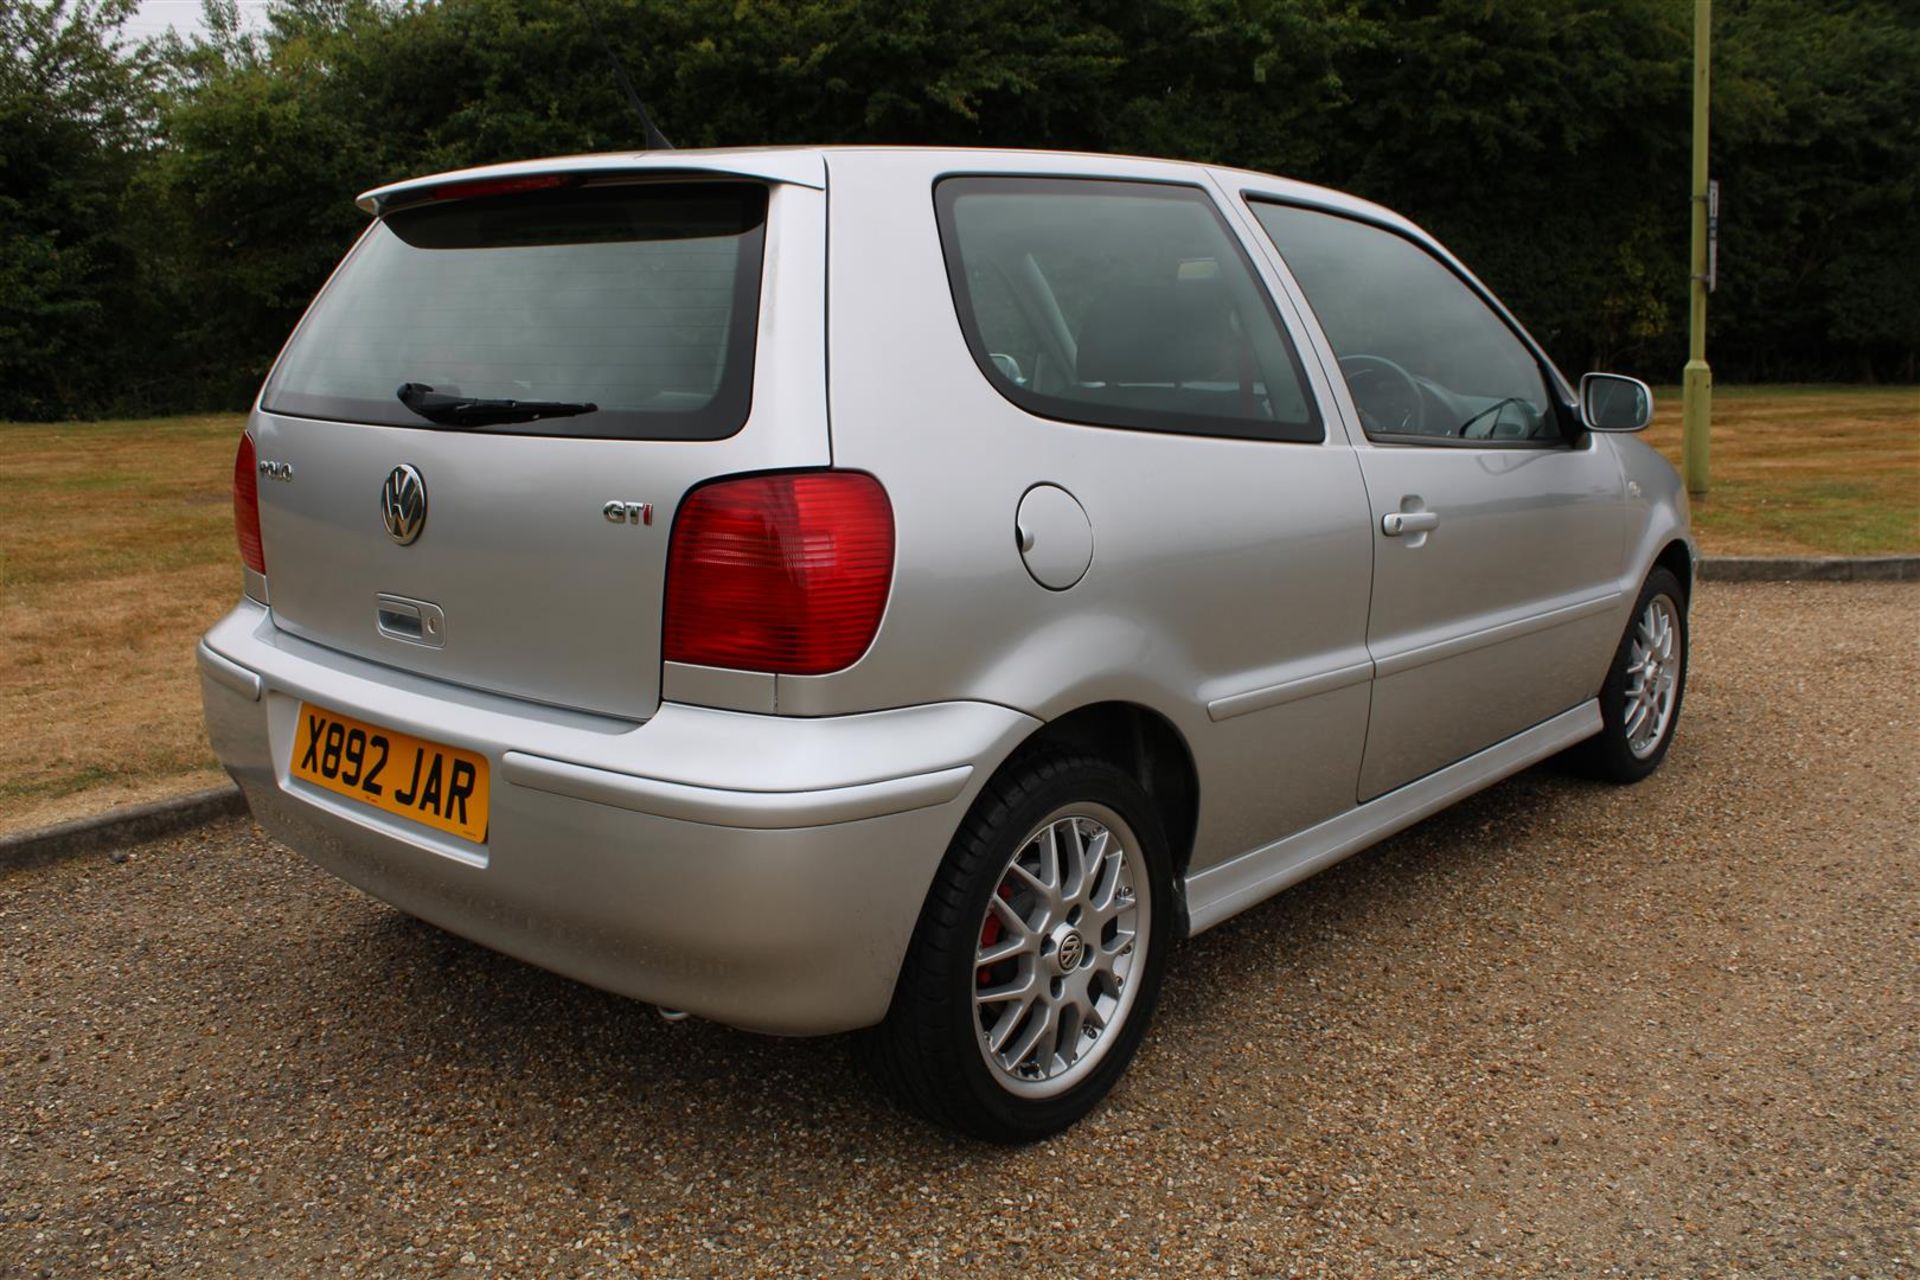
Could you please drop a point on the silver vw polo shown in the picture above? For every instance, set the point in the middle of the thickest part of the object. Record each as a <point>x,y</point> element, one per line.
<point>832,588</point>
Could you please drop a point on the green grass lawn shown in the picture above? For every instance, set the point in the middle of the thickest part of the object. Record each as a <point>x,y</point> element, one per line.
<point>116,551</point>
<point>1814,470</point>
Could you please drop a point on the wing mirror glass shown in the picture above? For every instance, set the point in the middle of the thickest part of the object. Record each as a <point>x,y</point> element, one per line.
<point>1613,402</point>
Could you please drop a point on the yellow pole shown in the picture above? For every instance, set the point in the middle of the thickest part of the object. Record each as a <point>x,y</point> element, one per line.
<point>1697,384</point>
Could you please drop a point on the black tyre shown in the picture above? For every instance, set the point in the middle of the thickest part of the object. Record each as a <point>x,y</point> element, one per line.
<point>1038,956</point>
<point>1645,686</point>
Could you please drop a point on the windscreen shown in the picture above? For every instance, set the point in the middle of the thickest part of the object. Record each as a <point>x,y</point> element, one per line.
<point>633,305</point>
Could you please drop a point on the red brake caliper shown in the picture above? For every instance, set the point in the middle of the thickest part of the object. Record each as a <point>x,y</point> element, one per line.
<point>990,934</point>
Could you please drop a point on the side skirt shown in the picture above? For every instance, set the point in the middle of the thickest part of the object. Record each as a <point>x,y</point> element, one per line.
<point>1230,887</point>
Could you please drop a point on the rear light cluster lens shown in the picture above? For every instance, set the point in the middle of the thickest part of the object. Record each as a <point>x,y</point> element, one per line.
<point>246,506</point>
<point>499,186</point>
<point>780,573</point>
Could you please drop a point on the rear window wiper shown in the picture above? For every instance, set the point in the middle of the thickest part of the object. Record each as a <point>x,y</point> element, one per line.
<point>470,411</point>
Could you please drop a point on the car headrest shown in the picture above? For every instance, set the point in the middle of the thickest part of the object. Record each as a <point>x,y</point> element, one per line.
<point>1166,330</point>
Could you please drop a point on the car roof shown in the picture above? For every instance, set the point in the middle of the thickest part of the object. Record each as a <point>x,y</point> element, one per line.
<point>807,166</point>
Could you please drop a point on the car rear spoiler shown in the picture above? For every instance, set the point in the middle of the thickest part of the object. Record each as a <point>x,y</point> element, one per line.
<point>799,167</point>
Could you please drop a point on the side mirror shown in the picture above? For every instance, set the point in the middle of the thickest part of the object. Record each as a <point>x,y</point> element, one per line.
<point>1611,402</point>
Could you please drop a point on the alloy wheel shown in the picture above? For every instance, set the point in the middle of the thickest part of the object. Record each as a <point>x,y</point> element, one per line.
<point>1653,677</point>
<point>1063,936</point>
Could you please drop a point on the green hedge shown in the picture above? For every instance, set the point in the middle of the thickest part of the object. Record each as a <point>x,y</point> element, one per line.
<point>167,210</point>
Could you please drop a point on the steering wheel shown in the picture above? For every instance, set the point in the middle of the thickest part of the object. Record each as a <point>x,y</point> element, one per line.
<point>1388,398</point>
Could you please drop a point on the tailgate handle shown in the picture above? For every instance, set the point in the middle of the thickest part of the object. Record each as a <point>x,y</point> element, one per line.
<point>411,621</point>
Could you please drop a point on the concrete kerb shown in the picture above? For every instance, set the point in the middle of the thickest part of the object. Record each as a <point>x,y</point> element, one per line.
<point>118,828</point>
<point>1810,569</point>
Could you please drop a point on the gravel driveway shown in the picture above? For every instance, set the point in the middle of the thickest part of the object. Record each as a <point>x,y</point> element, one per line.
<point>1559,1030</point>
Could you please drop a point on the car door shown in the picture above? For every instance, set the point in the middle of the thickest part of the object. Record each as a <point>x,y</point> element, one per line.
<point>1497,530</point>
<point>1097,333</point>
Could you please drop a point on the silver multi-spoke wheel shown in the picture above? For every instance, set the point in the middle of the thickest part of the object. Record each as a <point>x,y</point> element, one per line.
<point>1043,943</point>
<point>1061,940</point>
<point>1653,676</point>
<point>1645,685</point>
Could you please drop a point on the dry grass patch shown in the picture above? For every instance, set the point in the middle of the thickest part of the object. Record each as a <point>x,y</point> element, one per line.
<point>1811,470</point>
<point>116,551</point>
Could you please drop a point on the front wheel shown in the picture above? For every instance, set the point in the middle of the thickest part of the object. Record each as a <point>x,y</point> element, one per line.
<point>1034,969</point>
<point>1640,701</point>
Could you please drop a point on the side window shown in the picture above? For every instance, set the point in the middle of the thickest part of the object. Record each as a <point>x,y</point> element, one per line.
<point>1013,340</point>
<point>1423,356</point>
<point>1120,304</point>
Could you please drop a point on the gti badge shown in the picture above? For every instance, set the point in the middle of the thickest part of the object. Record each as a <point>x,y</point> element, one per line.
<point>403,504</point>
<point>618,512</point>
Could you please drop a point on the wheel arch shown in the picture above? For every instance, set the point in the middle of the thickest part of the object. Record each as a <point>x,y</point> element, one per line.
<point>1677,558</point>
<point>1150,749</point>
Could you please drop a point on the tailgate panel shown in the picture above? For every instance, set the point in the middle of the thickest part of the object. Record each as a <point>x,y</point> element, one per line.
<point>543,596</point>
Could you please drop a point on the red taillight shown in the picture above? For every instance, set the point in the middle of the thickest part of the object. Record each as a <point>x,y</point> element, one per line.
<point>246,506</point>
<point>785,573</point>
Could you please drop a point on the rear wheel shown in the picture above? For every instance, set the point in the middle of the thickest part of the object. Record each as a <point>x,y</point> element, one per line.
<point>1038,956</point>
<point>1640,701</point>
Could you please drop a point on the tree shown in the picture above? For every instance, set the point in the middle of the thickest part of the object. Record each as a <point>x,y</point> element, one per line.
<point>75,124</point>
<point>167,211</point>
<point>1818,152</point>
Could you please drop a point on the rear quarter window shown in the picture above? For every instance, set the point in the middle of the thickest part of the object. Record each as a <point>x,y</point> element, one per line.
<point>639,298</point>
<point>1121,304</point>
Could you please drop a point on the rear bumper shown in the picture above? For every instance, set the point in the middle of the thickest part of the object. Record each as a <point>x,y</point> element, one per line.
<point>761,871</point>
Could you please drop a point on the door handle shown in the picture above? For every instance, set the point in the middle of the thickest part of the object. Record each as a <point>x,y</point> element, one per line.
<point>1395,523</point>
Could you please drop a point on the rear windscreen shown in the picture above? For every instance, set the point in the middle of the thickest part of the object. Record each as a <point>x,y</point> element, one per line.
<point>638,299</point>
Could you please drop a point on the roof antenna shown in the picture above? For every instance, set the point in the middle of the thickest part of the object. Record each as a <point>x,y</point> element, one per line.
<point>655,140</point>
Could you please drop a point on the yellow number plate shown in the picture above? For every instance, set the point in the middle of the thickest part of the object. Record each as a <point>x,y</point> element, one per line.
<point>444,787</point>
